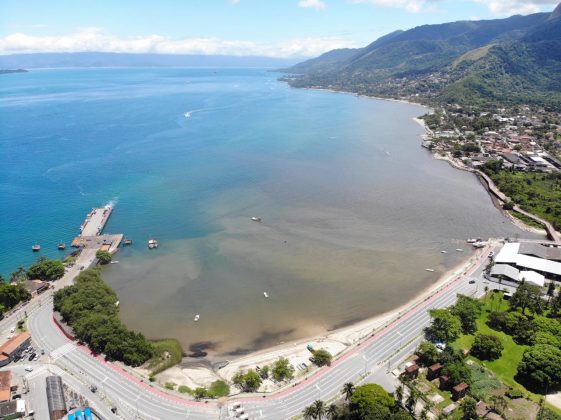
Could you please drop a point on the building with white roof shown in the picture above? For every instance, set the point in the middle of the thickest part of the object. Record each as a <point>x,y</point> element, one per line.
<point>532,268</point>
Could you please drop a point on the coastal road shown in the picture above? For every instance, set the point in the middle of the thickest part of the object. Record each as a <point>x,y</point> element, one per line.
<point>378,353</point>
<point>137,399</point>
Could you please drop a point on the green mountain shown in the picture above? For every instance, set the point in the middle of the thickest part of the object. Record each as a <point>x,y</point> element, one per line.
<point>517,59</point>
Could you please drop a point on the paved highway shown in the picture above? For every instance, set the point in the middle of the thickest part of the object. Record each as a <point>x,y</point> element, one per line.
<point>136,399</point>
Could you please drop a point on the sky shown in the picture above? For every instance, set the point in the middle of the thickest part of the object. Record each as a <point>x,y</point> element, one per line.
<point>273,28</point>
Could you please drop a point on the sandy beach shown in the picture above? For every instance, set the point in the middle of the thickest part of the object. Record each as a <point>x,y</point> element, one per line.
<point>337,342</point>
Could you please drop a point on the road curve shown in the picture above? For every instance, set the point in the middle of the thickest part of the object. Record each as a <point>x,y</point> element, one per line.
<point>137,399</point>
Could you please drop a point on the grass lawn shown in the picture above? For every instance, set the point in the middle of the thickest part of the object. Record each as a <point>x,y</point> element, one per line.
<point>158,363</point>
<point>537,193</point>
<point>505,367</point>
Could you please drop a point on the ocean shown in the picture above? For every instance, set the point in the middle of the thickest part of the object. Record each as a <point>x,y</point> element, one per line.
<point>353,209</point>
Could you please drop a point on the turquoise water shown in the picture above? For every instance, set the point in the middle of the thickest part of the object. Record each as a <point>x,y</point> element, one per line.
<point>353,209</point>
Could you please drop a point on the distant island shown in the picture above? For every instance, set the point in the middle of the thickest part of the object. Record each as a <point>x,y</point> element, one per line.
<point>108,59</point>
<point>8,71</point>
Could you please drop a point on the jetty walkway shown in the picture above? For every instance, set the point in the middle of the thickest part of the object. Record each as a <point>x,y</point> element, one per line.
<point>551,232</point>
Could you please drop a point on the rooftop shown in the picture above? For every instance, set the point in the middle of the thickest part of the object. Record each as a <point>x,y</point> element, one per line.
<point>5,385</point>
<point>14,343</point>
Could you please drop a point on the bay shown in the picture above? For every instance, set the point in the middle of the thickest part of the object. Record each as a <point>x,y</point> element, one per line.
<point>353,209</point>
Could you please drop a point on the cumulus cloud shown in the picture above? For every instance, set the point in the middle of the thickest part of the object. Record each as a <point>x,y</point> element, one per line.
<point>312,4</point>
<point>94,39</point>
<point>512,7</point>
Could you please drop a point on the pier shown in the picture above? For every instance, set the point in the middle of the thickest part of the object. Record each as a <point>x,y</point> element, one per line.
<point>91,236</point>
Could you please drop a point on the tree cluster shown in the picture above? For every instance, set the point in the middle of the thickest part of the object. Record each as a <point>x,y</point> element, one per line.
<point>321,357</point>
<point>103,257</point>
<point>11,295</point>
<point>89,306</point>
<point>487,347</point>
<point>365,402</point>
<point>46,270</point>
<point>249,381</point>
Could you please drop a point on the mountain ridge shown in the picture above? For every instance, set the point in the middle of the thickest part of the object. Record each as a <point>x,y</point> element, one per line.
<point>516,59</point>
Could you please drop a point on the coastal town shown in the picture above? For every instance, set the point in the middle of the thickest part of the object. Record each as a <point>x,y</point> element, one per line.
<point>524,138</point>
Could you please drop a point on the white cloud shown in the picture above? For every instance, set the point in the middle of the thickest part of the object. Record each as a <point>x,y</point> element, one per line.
<point>312,4</point>
<point>512,7</point>
<point>94,39</point>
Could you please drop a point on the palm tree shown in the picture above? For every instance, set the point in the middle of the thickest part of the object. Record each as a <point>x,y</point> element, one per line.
<point>399,394</point>
<point>309,412</point>
<point>319,407</point>
<point>332,411</point>
<point>348,390</point>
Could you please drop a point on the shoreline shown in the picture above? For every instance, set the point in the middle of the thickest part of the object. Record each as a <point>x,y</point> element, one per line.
<point>338,342</point>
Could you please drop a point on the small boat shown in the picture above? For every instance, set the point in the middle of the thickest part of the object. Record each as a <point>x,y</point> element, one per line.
<point>266,295</point>
<point>471,241</point>
<point>197,317</point>
<point>36,248</point>
<point>479,244</point>
<point>431,270</point>
<point>459,250</point>
<point>127,242</point>
<point>117,303</point>
<point>152,243</point>
<point>61,246</point>
<point>444,252</point>
<point>114,262</point>
<point>256,219</point>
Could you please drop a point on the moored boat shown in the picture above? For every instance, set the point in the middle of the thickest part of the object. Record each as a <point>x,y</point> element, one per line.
<point>61,246</point>
<point>152,243</point>
<point>197,317</point>
<point>36,248</point>
<point>256,219</point>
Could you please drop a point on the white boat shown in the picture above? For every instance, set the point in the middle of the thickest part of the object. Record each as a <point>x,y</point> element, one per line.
<point>459,250</point>
<point>187,115</point>
<point>152,243</point>
<point>256,219</point>
<point>36,248</point>
<point>444,252</point>
<point>266,295</point>
<point>479,244</point>
<point>196,317</point>
<point>431,270</point>
<point>114,262</point>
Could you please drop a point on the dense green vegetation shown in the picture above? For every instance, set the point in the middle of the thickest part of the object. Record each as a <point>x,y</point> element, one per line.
<point>104,257</point>
<point>321,357</point>
<point>247,381</point>
<point>481,63</point>
<point>364,402</point>
<point>282,370</point>
<point>537,193</point>
<point>530,336</point>
<point>89,306</point>
<point>46,270</point>
<point>11,295</point>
